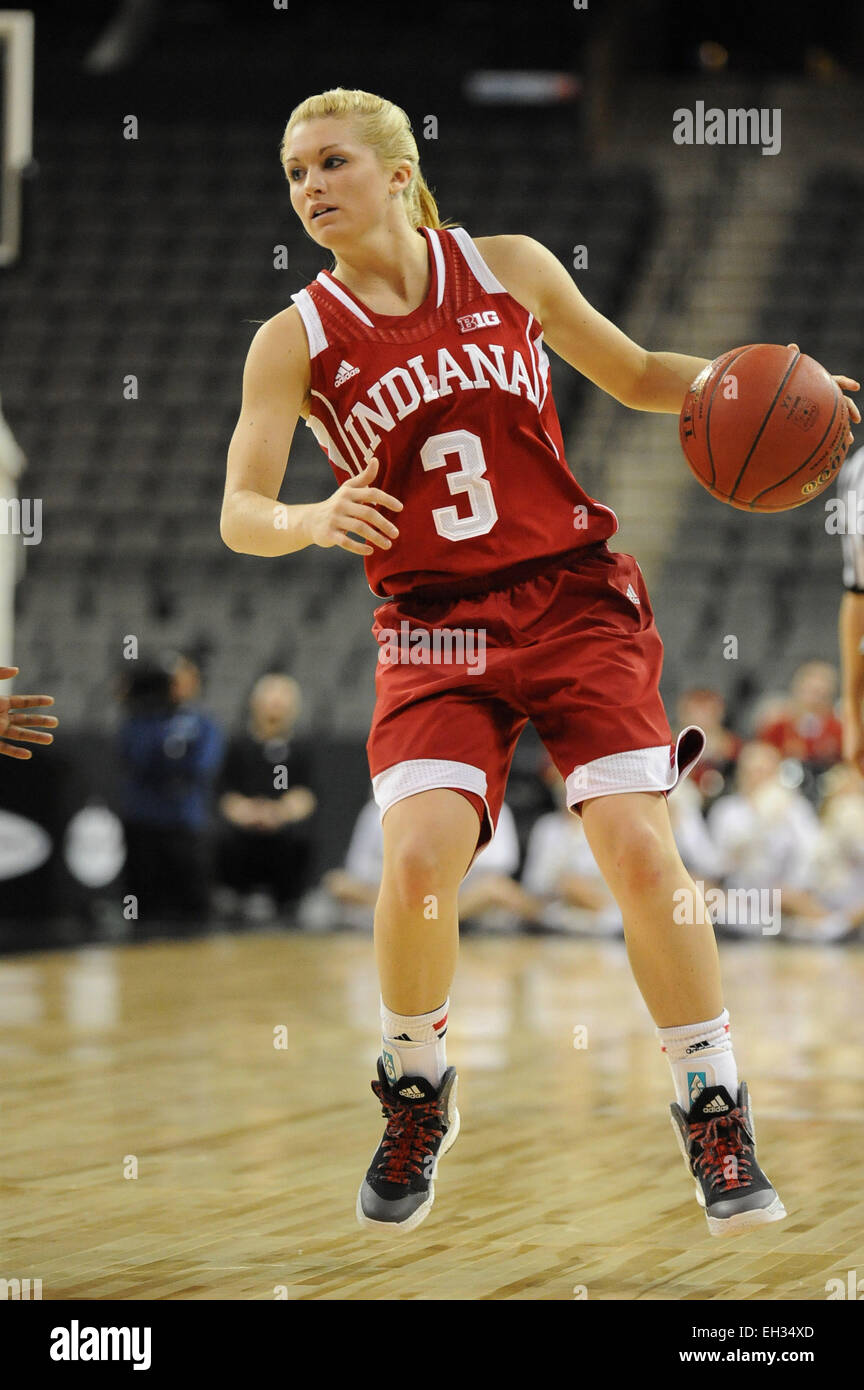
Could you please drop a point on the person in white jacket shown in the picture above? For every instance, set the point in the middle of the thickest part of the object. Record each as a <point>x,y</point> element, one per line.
<point>765,834</point>
<point>489,896</point>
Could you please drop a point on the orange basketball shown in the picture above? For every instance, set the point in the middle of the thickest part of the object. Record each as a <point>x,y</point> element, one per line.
<point>764,428</point>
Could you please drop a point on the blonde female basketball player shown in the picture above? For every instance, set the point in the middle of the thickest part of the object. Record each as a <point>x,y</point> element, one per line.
<point>418,363</point>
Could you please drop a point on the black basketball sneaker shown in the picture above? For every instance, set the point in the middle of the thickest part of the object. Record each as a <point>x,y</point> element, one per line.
<point>422,1123</point>
<point>718,1142</point>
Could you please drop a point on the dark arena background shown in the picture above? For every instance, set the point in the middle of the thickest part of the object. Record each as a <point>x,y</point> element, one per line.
<point>188,993</point>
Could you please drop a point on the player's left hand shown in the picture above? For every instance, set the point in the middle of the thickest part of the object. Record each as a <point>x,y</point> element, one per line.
<point>24,727</point>
<point>846,383</point>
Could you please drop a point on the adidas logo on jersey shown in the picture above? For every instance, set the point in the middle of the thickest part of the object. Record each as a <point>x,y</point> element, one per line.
<point>717,1106</point>
<point>345,371</point>
<point>487,319</point>
<point>632,594</point>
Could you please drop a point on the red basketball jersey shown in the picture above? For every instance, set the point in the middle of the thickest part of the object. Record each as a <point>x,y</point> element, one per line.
<point>453,400</point>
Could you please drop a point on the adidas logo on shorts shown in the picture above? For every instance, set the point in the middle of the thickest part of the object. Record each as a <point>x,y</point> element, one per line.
<point>345,371</point>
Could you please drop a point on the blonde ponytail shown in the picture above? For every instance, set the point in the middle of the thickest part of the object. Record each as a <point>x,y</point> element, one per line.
<point>422,208</point>
<point>386,129</point>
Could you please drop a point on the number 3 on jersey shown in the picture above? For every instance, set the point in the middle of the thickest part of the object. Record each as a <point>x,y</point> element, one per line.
<point>468,479</point>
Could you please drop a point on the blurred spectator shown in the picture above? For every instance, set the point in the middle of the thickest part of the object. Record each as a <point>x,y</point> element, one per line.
<point>347,896</point>
<point>559,869</point>
<point>809,730</point>
<point>561,872</point>
<point>698,851</point>
<point>765,832</point>
<point>770,706</point>
<point>170,755</point>
<point>185,679</point>
<point>837,861</point>
<point>489,896</point>
<point>714,770</point>
<point>264,844</point>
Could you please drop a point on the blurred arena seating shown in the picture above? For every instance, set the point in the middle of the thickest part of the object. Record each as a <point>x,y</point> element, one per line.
<point>773,581</point>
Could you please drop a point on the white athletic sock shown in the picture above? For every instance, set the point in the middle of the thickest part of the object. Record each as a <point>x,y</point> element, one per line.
<point>413,1044</point>
<point>700,1055</point>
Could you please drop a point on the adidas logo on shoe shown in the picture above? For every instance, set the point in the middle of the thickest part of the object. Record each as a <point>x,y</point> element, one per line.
<point>345,371</point>
<point>631,592</point>
<point>422,1123</point>
<point>717,1106</point>
<point>719,1150</point>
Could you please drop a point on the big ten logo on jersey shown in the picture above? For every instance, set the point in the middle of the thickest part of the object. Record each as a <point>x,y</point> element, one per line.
<point>486,319</point>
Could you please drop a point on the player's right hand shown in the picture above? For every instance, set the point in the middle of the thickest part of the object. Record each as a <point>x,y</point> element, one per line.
<point>29,727</point>
<point>352,509</point>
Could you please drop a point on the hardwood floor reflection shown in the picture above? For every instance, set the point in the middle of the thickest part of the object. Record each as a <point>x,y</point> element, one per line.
<point>160,1143</point>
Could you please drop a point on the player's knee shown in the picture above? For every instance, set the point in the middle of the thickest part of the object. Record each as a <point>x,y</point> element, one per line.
<point>645,863</point>
<point>419,866</point>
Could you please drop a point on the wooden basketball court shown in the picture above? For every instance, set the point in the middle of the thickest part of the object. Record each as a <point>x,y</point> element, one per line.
<point>566,1176</point>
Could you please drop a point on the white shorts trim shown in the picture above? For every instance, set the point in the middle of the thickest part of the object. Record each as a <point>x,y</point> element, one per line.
<point>640,770</point>
<point>425,775</point>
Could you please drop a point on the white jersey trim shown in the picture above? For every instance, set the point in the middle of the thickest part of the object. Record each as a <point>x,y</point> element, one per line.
<point>639,770</point>
<point>311,322</point>
<point>349,448</point>
<point>533,357</point>
<point>440,266</point>
<point>328,444</point>
<point>476,264</point>
<point>338,293</point>
<point>603,507</point>
<point>540,368</point>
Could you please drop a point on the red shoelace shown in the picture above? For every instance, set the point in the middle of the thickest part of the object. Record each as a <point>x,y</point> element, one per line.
<point>720,1140</point>
<point>413,1128</point>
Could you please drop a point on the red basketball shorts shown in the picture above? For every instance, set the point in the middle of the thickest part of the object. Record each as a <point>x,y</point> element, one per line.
<point>573,647</point>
